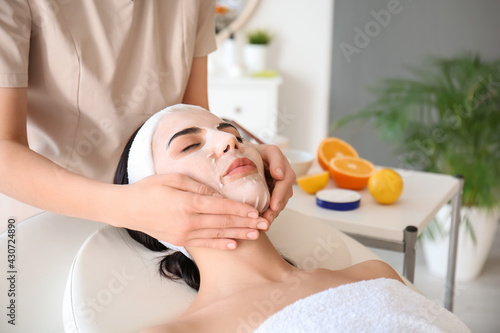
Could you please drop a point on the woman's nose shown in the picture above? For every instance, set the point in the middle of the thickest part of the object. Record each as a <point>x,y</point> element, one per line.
<point>225,143</point>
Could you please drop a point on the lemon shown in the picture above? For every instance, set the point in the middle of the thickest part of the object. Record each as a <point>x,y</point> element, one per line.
<point>385,186</point>
<point>314,182</point>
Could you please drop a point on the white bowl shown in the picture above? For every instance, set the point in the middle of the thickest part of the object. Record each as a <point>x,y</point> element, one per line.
<point>299,160</point>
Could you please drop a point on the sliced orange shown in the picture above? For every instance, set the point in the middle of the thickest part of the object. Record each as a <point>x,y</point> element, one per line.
<point>351,173</point>
<point>313,183</point>
<point>331,148</point>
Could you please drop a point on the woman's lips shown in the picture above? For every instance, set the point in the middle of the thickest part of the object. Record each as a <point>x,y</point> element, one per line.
<point>239,168</point>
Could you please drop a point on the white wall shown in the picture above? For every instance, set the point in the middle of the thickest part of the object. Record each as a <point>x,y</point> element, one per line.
<point>418,29</point>
<point>301,52</point>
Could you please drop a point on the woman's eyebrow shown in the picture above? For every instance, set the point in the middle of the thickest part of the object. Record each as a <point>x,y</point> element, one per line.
<point>221,126</point>
<point>186,131</point>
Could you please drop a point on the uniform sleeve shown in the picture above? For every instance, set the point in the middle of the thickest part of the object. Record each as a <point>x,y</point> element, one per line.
<point>15,32</point>
<point>205,32</point>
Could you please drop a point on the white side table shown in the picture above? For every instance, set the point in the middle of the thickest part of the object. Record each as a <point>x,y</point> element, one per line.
<point>397,226</point>
<point>251,102</point>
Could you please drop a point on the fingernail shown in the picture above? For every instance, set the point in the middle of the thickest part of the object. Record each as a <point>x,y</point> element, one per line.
<point>271,216</point>
<point>231,246</point>
<point>262,226</point>
<point>218,195</point>
<point>252,235</point>
<point>253,215</point>
<point>279,172</point>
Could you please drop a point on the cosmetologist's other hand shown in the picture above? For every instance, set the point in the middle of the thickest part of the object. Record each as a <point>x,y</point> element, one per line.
<point>280,178</point>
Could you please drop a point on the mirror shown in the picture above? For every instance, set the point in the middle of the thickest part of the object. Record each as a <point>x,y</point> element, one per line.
<point>230,15</point>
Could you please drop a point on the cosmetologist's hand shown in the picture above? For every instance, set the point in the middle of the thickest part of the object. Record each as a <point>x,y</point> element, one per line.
<point>177,209</point>
<point>280,178</point>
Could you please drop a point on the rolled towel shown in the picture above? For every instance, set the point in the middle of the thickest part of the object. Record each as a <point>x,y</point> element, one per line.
<point>380,305</point>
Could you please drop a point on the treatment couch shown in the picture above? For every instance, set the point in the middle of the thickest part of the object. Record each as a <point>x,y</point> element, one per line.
<point>74,275</point>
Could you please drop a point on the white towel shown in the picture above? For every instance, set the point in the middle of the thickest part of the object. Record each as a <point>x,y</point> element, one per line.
<point>380,305</point>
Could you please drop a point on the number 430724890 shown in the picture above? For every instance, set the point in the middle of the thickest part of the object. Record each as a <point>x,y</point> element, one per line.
<point>11,244</point>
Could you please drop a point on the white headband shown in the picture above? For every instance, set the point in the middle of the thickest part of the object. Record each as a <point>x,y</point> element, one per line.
<point>140,157</point>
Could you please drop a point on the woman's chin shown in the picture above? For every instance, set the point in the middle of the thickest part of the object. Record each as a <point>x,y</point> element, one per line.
<point>251,190</point>
<point>259,204</point>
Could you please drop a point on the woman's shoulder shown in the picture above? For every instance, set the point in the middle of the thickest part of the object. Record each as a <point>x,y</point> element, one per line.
<point>366,270</point>
<point>374,269</point>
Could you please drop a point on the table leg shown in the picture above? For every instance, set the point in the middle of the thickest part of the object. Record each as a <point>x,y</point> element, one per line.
<point>452,252</point>
<point>410,240</point>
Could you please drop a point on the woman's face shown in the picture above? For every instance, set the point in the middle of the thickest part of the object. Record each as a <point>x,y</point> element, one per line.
<point>200,145</point>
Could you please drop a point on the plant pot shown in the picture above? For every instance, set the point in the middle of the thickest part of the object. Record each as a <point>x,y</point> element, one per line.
<point>471,254</point>
<point>255,57</point>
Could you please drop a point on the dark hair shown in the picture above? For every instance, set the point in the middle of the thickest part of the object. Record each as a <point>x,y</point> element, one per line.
<point>175,266</point>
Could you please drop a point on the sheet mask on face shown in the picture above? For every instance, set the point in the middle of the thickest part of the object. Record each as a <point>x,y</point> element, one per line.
<point>252,188</point>
<point>249,191</point>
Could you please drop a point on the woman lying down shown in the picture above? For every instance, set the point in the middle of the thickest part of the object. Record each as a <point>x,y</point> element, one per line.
<point>235,285</point>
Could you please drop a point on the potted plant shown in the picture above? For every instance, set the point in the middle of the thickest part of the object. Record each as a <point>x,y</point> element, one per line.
<point>446,118</point>
<point>255,52</point>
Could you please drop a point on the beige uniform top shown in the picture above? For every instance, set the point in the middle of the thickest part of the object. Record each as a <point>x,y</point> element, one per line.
<point>96,69</point>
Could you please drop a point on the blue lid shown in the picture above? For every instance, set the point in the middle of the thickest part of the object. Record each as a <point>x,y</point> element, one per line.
<point>338,199</point>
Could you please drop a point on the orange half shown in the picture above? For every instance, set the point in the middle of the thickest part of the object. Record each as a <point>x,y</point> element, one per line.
<point>351,173</point>
<point>331,148</point>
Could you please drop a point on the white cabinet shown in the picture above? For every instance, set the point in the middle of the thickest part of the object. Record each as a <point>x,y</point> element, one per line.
<point>252,102</point>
